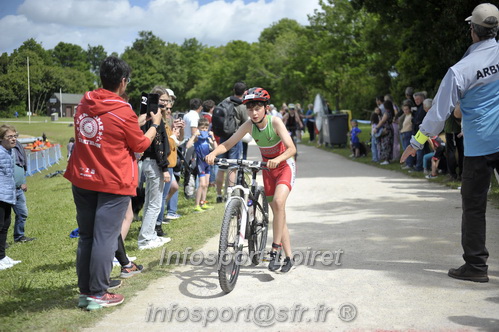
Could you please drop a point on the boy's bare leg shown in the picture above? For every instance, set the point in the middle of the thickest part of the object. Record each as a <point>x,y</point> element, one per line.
<point>280,230</point>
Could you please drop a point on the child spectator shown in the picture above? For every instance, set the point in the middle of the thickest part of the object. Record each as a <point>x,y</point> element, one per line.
<point>438,146</point>
<point>204,142</point>
<point>354,139</point>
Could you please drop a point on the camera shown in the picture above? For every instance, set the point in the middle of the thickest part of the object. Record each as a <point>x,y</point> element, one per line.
<point>149,103</point>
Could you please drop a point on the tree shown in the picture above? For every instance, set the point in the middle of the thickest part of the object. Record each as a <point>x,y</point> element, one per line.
<point>71,56</point>
<point>145,59</point>
<point>95,56</point>
<point>432,37</point>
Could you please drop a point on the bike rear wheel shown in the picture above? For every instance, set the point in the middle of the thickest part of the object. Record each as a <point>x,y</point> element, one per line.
<point>229,252</point>
<point>257,239</point>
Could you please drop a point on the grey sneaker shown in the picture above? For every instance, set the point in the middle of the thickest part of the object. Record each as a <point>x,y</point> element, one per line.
<point>288,264</point>
<point>275,257</point>
<point>113,284</point>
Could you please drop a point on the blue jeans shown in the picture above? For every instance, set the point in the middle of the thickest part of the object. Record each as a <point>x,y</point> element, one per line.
<point>235,152</point>
<point>213,173</point>
<point>427,160</point>
<point>173,204</point>
<point>21,211</point>
<point>405,137</point>
<point>166,190</point>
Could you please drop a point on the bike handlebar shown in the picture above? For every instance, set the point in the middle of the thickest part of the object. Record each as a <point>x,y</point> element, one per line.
<point>240,162</point>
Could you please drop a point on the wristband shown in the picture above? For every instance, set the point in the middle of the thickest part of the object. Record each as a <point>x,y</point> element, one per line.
<point>420,137</point>
<point>155,126</point>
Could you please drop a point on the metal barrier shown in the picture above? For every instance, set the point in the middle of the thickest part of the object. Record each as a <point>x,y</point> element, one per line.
<point>43,159</point>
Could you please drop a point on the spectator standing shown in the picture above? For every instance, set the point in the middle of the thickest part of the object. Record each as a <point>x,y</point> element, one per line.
<point>155,170</point>
<point>354,139</point>
<point>172,199</point>
<point>409,94</point>
<point>236,151</point>
<point>20,208</point>
<point>204,142</point>
<point>274,111</point>
<point>417,119</point>
<point>396,131</point>
<point>375,118</point>
<point>310,121</point>
<point>405,125</point>
<point>191,127</point>
<point>103,173</point>
<point>8,139</point>
<point>174,130</point>
<point>472,83</point>
<point>454,145</point>
<point>386,130</point>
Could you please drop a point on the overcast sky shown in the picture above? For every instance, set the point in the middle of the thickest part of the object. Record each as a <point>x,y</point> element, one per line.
<point>115,24</point>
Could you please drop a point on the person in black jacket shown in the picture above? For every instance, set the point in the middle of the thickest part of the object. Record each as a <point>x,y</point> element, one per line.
<point>155,171</point>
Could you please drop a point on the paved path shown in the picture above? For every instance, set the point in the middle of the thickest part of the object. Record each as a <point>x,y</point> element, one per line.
<point>393,237</point>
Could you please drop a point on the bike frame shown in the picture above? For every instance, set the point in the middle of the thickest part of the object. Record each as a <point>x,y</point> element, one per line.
<point>247,193</point>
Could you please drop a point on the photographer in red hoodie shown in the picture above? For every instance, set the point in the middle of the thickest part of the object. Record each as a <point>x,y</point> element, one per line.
<point>103,171</point>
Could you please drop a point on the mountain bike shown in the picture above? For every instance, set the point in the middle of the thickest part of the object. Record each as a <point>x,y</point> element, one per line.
<point>246,216</point>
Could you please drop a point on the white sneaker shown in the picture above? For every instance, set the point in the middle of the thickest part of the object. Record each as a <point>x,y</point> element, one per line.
<point>5,264</point>
<point>165,240</point>
<point>13,262</point>
<point>386,162</point>
<point>152,244</point>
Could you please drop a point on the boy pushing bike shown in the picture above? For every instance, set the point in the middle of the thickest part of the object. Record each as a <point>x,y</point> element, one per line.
<point>277,149</point>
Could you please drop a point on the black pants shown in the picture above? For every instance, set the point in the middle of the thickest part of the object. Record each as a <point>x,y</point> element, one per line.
<point>5,212</point>
<point>453,144</point>
<point>477,172</point>
<point>311,130</point>
<point>120,254</point>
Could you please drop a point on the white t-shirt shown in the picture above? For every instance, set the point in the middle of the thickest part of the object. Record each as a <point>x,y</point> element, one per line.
<point>191,120</point>
<point>275,113</point>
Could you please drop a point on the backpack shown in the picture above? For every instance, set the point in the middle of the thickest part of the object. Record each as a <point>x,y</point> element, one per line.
<point>223,121</point>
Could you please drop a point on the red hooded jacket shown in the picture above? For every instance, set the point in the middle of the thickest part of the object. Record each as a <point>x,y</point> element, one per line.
<point>107,135</point>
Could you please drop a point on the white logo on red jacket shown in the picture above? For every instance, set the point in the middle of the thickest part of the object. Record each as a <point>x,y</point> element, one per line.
<point>90,129</point>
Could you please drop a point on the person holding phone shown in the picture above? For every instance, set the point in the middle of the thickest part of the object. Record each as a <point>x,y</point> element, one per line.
<point>103,173</point>
<point>155,170</point>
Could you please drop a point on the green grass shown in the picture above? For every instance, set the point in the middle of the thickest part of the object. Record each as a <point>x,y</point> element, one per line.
<point>41,292</point>
<point>395,166</point>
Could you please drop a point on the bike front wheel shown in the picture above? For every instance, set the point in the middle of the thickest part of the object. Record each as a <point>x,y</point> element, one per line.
<point>229,251</point>
<point>257,239</point>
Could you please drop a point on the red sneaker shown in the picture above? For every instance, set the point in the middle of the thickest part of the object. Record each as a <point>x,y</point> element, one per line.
<point>106,300</point>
